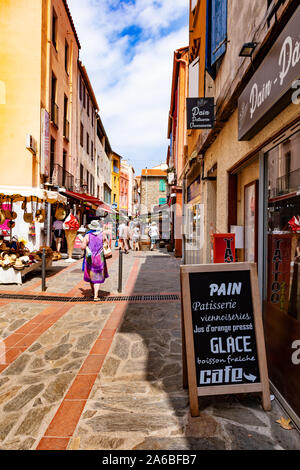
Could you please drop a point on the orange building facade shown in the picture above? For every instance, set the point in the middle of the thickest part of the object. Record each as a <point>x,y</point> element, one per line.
<point>177,151</point>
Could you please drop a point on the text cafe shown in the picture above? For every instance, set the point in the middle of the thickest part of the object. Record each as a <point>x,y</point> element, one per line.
<point>269,106</point>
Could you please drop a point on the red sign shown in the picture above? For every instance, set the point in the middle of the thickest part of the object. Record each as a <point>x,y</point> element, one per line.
<point>224,247</point>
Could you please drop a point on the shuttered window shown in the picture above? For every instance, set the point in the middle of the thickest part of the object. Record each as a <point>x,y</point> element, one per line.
<point>216,29</point>
<point>162,185</point>
<point>194,79</point>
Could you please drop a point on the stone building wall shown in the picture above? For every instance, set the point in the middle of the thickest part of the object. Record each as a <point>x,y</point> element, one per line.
<point>150,193</point>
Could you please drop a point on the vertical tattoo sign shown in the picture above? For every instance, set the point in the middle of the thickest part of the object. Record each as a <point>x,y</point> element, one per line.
<point>279,269</point>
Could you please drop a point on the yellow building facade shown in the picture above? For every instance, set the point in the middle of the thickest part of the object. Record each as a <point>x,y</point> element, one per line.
<point>29,60</point>
<point>115,180</point>
<point>20,78</point>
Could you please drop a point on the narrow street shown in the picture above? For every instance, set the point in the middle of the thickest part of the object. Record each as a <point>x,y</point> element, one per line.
<point>80,375</point>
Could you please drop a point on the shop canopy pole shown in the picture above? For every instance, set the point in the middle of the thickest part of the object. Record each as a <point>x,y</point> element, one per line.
<point>44,270</point>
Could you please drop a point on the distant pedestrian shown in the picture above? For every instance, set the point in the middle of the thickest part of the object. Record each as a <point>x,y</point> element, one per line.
<point>126,237</point>
<point>136,237</point>
<point>153,234</point>
<point>131,226</point>
<point>94,263</point>
<point>121,235</point>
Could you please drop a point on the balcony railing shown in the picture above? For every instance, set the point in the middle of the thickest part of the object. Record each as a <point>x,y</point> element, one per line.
<point>54,113</point>
<point>61,177</point>
<point>66,129</point>
<point>288,183</point>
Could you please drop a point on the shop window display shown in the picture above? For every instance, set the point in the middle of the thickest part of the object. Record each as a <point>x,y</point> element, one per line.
<point>282,293</point>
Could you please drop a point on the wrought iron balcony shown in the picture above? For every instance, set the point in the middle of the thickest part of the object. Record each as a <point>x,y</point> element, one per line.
<point>60,177</point>
<point>54,113</point>
<point>288,183</point>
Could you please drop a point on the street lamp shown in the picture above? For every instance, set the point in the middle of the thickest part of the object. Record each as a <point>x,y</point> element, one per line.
<point>248,49</point>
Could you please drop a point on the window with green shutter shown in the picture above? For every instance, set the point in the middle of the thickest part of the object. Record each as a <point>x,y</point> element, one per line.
<point>162,200</point>
<point>162,185</point>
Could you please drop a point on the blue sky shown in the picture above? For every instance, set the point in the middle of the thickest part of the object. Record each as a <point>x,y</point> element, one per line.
<point>127,48</point>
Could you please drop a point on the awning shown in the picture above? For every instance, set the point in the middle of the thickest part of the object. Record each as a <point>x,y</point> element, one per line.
<point>19,193</point>
<point>91,200</point>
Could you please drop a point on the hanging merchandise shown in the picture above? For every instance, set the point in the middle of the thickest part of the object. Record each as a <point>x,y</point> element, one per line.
<point>2,216</point>
<point>27,217</point>
<point>60,213</point>
<point>40,215</point>
<point>13,215</point>
<point>294,224</point>
<point>31,231</point>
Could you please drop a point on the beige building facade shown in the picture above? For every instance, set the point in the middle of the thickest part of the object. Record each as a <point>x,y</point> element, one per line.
<point>61,46</point>
<point>86,153</point>
<point>249,167</point>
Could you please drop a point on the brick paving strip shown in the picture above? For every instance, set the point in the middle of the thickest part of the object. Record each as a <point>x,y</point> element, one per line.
<point>63,425</point>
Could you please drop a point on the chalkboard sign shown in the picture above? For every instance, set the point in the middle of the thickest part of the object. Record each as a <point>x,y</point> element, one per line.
<point>223,341</point>
<point>200,113</point>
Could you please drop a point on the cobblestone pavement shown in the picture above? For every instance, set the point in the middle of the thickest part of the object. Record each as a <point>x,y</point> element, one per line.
<point>83,375</point>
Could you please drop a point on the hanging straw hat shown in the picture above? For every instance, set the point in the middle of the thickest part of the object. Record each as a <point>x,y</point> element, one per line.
<point>60,213</point>
<point>11,223</point>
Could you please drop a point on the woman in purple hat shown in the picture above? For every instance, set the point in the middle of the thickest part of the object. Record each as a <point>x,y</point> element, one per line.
<point>94,263</point>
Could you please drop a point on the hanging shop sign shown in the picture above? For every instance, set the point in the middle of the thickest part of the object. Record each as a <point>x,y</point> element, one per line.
<point>272,87</point>
<point>224,247</point>
<point>200,113</point>
<point>193,189</point>
<point>222,332</point>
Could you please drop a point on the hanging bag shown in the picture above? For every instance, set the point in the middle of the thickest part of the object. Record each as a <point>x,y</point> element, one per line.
<point>106,250</point>
<point>27,217</point>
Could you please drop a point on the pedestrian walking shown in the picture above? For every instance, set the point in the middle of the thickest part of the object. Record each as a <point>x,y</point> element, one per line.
<point>153,234</point>
<point>58,233</point>
<point>94,263</point>
<point>131,227</point>
<point>136,237</point>
<point>120,235</point>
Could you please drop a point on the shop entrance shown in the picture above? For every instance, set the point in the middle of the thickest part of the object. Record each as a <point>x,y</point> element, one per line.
<point>282,268</point>
<point>243,202</point>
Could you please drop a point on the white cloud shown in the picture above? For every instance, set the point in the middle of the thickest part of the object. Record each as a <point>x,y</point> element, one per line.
<point>132,83</point>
